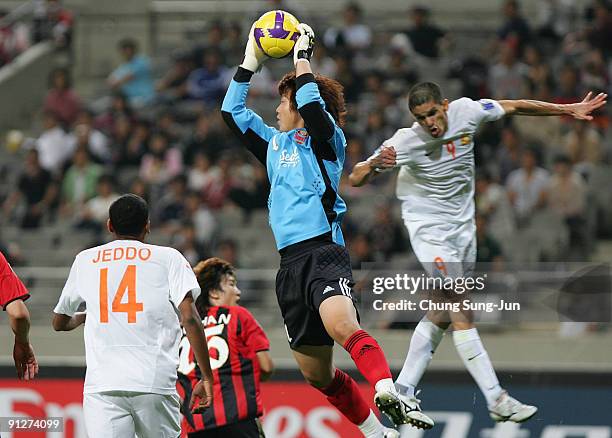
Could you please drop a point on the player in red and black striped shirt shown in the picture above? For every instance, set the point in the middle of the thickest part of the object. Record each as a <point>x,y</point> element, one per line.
<point>12,296</point>
<point>239,359</point>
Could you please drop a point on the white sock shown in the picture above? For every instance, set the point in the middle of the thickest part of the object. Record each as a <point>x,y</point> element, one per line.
<point>476,360</point>
<point>424,342</point>
<point>371,427</point>
<point>385,385</point>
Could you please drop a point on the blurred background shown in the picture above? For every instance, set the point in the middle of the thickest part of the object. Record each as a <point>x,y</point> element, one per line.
<point>75,133</point>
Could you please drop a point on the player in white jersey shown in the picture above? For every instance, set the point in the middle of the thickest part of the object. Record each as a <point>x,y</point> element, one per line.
<point>436,187</point>
<point>134,294</point>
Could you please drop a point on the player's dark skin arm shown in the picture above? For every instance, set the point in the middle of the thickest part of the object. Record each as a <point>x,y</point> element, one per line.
<point>192,323</point>
<point>266,366</point>
<point>23,354</point>
<point>578,110</point>
<point>65,323</point>
<point>363,171</point>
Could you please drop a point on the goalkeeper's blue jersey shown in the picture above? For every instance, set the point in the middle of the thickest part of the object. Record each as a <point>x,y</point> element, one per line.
<point>304,165</point>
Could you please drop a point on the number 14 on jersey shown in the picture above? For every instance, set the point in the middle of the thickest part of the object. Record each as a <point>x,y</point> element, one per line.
<point>127,284</point>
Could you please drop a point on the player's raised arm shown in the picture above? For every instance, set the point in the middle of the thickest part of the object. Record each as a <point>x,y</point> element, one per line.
<point>191,322</point>
<point>579,110</point>
<point>245,123</point>
<point>362,172</point>
<point>318,121</point>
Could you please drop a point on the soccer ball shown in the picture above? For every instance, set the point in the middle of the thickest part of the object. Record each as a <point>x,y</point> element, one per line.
<point>275,33</point>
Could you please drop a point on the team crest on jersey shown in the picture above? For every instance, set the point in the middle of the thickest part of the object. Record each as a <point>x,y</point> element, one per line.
<point>465,140</point>
<point>300,136</point>
<point>487,106</point>
<point>289,159</point>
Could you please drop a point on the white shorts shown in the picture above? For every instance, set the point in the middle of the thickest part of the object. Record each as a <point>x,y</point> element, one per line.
<point>124,414</point>
<point>444,249</point>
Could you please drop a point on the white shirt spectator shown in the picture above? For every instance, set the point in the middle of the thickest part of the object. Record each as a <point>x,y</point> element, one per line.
<point>54,149</point>
<point>527,190</point>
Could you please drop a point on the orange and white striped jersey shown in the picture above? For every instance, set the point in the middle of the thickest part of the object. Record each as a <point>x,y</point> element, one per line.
<point>132,332</point>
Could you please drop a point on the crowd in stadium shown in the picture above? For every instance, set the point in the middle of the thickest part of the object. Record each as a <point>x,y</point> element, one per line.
<point>163,137</point>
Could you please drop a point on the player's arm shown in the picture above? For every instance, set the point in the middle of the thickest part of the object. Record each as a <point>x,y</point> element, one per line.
<point>192,323</point>
<point>266,366</point>
<point>364,171</point>
<point>318,122</point>
<point>579,110</point>
<point>66,323</point>
<point>23,354</point>
<point>246,124</point>
<point>253,335</point>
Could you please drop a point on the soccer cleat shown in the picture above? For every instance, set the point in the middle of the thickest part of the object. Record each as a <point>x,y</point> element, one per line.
<point>400,412</point>
<point>390,433</point>
<point>510,409</point>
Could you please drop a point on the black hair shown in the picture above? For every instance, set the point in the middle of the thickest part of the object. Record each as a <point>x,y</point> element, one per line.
<point>424,92</point>
<point>128,43</point>
<point>129,215</point>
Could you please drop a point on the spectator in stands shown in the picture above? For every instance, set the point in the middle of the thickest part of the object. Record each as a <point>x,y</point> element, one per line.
<point>133,151</point>
<point>119,108</point>
<point>204,140</point>
<point>187,243</point>
<point>250,188</point>
<point>201,218</point>
<point>538,73</point>
<point>351,80</point>
<point>568,89</point>
<point>166,123</point>
<point>594,71</point>
<point>95,212</point>
<point>227,249</point>
<point>14,39</point>
<point>171,206</point>
<point>162,162</point>
<point>488,248</point>
<point>360,250</point>
<point>216,192</point>
<point>400,73</point>
<point>509,155</point>
<point>120,136</point>
<point>79,184</point>
<point>133,78</point>
<point>527,187</point>
<point>53,22</point>
<point>140,188</point>
<point>427,39</point>
<point>322,62</point>
<point>386,234</point>
<point>599,32</point>
<point>353,35</point>
<point>567,193</point>
<point>202,173</point>
<point>583,145</point>
<point>54,146</point>
<point>507,77</point>
<point>173,85</point>
<point>209,82</point>
<point>492,202</point>
<point>85,135</point>
<point>234,44</point>
<point>36,188</point>
<point>515,30</point>
<point>61,98</point>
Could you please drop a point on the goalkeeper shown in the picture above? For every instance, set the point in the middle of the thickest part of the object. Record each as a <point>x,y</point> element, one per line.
<point>304,158</point>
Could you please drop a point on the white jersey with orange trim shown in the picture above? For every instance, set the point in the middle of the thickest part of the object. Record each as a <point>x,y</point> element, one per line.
<point>436,181</point>
<point>132,332</point>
